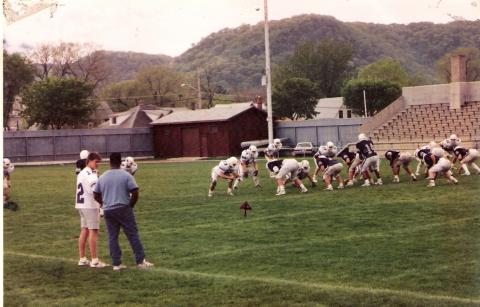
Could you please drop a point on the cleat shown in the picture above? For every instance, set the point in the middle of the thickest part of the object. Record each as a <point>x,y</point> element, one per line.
<point>83,262</point>
<point>210,193</point>
<point>119,267</point>
<point>466,174</point>
<point>330,188</point>
<point>101,212</point>
<point>145,265</point>
<point>340,186</point>
<point>98,265</point>
<point>349,183</point>
<point>431,184</point>
<point>281,192</point>
<point>379,181</point>
<point>304,190</point>
<point>366,184</point>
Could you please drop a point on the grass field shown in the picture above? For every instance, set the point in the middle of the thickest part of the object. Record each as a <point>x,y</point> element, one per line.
<point>396,244</point>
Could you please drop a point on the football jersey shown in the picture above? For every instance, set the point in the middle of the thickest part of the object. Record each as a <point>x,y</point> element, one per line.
<point>348,156</point>
<point>275,166</point>
<point>447,145</point>
<point>324,161</point>
<point>225,168</point>
<point>331,151</point>
<point>392,155</point>
<point>421,152</point>
<point>247,157</point>
<point>365,149</point>
<point>86,181</point>
<point>80,164</point>
<point>460,152</point>
<point>429,160</point>
<point>272,151</point>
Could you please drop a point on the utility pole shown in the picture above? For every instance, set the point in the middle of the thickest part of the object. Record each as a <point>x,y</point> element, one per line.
<point>365,103</point>
<point>268,75</point>
<point>199,90</point>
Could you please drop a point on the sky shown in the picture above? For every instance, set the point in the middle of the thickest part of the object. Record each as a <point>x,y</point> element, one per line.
<point>172,26</point>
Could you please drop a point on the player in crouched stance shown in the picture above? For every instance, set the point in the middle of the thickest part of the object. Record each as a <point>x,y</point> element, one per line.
<point>129,166</point>
<point>466,157</point>
<point>248,166</point>
<point>370,162</point>
<point>288,169</point>
<point>398,159</point>
<point>227,169</point>
<point>331,169</point>
<point>438,165</point>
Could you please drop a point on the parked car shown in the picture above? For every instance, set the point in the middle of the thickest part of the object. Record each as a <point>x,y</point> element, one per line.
<point>303,149</point>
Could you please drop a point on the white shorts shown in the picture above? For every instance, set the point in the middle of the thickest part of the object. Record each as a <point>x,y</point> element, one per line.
<point>471,157</point>
<point>89,218</point>
<point>332,170</point>
<point>356,162</point>
<point>288,170</point>
<point>443,165</point>
<point>404,159</point>
<point>371,163</point>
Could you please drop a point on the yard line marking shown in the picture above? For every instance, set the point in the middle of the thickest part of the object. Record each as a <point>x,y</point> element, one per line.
<point>331,239</point>
<point>283,282</point>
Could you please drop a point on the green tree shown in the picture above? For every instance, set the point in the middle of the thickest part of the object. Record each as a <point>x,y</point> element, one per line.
<point>161,82</point>
<point>18,72</point>
<point>379,94</point>
<point>58,102</point>
<point>327,65</point>
<point>386,69</point>
<point>295,98</point>
<point>472,55</point>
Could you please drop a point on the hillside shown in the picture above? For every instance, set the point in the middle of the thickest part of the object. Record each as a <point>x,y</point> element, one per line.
<point>238,54</point>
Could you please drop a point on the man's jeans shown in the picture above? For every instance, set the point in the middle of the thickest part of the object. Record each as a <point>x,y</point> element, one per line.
<point>115,219</point>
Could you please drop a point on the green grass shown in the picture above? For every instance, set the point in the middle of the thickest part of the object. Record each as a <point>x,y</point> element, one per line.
<point>396,244</point>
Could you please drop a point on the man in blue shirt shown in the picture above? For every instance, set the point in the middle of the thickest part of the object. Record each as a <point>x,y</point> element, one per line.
<point>117,192</point>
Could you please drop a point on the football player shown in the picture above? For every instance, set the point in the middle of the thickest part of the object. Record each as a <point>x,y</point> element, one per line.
<point>8,169</point>
<point>466,157</point>
<point>82,162</point>
<point>129,165</point>
<point>331,150</point>
<point>288,169</point>
<point>438,165</point>
<point>331,169</point>
<point>370,160</point>
<point>248,166</point>
<point>322,151</point>
<point>449,144</point>
<point>226,169</point>
<point>273,150</point>
<point>398,159</point>
<point>420,153</point>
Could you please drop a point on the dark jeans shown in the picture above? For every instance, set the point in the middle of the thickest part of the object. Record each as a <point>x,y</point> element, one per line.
<point>115,219</point>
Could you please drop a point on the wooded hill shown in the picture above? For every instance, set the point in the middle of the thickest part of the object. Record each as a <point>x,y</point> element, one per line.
<point>237,55</point>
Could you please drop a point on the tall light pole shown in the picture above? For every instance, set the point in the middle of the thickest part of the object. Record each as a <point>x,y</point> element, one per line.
<point>268,75</point>
<point>365,102</point>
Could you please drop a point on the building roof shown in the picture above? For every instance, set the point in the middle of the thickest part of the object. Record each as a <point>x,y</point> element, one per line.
<point>329,107</point>
<point>139,116</point>
<point>221,112</point>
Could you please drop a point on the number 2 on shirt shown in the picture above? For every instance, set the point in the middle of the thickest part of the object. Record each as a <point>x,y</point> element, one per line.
<point>79,194</point>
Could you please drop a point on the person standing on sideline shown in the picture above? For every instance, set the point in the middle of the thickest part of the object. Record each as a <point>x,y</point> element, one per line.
<point>117,191</point>
<point>88,210</point>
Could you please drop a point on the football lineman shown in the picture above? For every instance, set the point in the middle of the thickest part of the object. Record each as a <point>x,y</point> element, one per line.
<point>438,165</point>
<point>322,151</point>
<point>466,157</point>
<point>398,159</point>
<point>129,165</point>
<point>420,153</point>
<point>370,160</point>
<point>8,169</point>
<point>226,169</point>
<point>82,162</point>
<point>288,169</point>
<point>349,157</point>
<point>331,169</point>
<point>273,150</point>
<point>248,166</point>
<point>331,150</point>
<point>449,144</point>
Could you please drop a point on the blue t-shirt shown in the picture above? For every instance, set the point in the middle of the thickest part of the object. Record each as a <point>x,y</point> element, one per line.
<point>115,186</point>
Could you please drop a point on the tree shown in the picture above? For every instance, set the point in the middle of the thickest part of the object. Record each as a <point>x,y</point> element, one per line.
<point>379,94</point>
<point>17,73</point>
<point>58,102</point>
<point>295,98</point>
<point>161,82</point>
<point>472,60</point>
<point>327,65</point>
<point>386,69</point>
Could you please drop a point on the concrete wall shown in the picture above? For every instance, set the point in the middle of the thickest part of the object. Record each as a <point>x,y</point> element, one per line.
<point>65,145</point>
<point>440,93</point>
<point>339,131</point>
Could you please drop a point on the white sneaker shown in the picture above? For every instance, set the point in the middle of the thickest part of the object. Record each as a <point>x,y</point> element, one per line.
<point>83,262</point>
<point>101,212</point>
<point>304,190</point>
<point>349,183</point>
<point>98,265</point>
<point>366,184</point>
<point>281,192</point>
<point>431,184</point>
<point>340,186</point>
<point>380,182</point>
<point>210,193</point>
<point>119,267</point>
<point>145,264</point>
<point>466,174</point>
<point>329,188</point>
<point>230,192</point>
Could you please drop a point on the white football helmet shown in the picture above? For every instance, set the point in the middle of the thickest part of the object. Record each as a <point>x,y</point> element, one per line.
<point>437,151</point>
<point>277,143</point>
<point>362,137</point>
<point>129,161</point>
<point>253,149</point>
<point>453,137</point>
<point>84,154</point>
<point>6,163</point>
<point>232,162</point>
<point>322,150</point>
<point>304,165</point>
<point>330,145</point>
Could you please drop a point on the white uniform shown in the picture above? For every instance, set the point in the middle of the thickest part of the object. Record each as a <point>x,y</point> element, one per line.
<point>129,169</point>
<point>86,181</point>
<point>290,169</point>
<point>442,166</point>
<point>272,152</point>
<point>331,152</point>
<point>222,168</point>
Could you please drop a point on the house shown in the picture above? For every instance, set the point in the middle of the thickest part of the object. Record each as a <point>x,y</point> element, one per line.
<point>209,132</point>
<point>332,108</point>
<point>139,116</point>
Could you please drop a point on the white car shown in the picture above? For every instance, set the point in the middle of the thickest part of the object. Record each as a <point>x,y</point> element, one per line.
<point>303,149</point>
